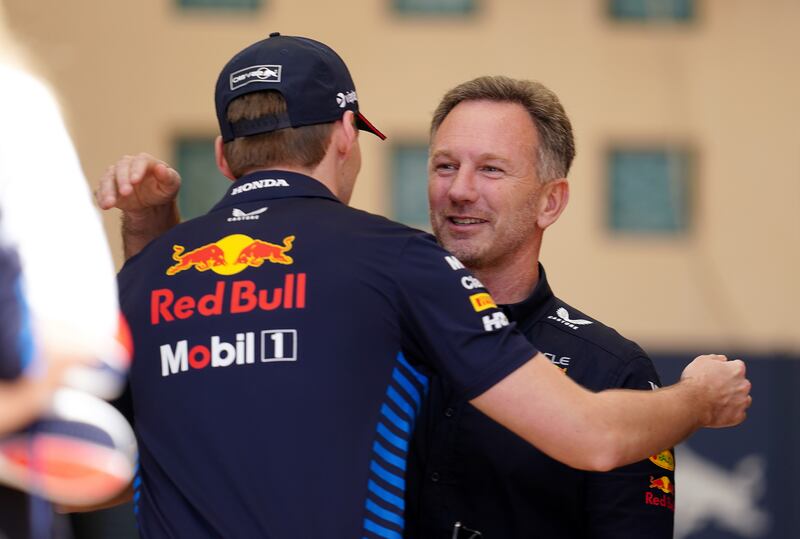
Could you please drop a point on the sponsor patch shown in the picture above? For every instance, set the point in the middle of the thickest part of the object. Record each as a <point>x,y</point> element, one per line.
<point>663,484</point>
<point>454,263</point>
<point>659,500</point>
<point>563,317</point>
<point>274,345</point>
<point>257,73</point>
<point>230,255</point>
<point>665,460</point>
<point>471,283</point>
<point>494,321</point>
<point>239,215</point>
<point>260,184</point>
<point>343,98</point>
<point>482,301</point>
<point>228,297</point>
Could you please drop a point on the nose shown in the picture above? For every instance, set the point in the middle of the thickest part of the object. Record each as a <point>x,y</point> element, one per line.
<point>464,187</point>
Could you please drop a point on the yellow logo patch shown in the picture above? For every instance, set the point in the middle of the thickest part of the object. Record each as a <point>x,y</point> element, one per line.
<point>664,460</point>
<point>482,301</point>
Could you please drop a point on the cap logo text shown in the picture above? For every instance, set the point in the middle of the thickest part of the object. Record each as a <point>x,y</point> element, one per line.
<point>343,98</point>
<point>259,73</point>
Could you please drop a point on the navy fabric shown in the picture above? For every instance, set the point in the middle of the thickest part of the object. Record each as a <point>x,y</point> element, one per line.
<point>466,468</point>
<point>283,344</point>
<point>16,338</point>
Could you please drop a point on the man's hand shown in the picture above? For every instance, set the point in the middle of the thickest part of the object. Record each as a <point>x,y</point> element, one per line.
<point>137,183</point>
<point>146,190</point>
<point>723,389</point>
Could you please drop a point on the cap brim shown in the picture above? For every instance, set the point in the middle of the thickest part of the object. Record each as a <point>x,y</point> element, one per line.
<point>365,125</point>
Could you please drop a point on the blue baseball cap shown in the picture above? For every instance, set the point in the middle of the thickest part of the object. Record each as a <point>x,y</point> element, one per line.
<point>310,76</point>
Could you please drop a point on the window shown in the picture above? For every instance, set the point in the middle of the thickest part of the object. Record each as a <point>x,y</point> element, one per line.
<point>434,7</point>
<point>203,184</point>
<point>652,10</point>
<point>410,184</point>
<point>649,190</point>
<point>231,5</point>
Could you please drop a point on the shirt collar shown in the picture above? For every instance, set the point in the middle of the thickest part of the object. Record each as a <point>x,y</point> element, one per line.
<point>536,305</point>
<point>271,185</point>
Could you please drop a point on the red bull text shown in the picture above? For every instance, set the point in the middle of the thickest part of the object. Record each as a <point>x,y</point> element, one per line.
<point>232,297</point>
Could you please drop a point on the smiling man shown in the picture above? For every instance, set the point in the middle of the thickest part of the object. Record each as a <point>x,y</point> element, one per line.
<point>500,153</point>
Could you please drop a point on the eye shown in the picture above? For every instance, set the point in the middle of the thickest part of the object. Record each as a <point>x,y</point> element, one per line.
<point>492,171</point>
<point>445,166</point>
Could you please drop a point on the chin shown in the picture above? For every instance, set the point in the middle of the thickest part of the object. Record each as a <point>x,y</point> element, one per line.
<point>467,254</point>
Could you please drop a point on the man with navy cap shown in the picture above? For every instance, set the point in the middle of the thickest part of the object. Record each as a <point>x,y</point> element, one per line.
<point>284,341</point>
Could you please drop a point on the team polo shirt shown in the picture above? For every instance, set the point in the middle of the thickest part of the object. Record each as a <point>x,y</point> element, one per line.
<point>283,347</point>
<point>467,468</point>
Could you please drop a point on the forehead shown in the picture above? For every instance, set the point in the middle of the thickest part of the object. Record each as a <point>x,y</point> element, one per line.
<point>501,128</point>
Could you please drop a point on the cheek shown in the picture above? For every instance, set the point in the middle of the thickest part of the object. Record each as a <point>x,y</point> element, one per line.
<point>437,192</point>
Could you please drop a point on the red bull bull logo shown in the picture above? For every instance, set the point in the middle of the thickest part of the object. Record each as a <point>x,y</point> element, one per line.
<point>230,255</point>
<point>257,252</point>
<point>663,484</point>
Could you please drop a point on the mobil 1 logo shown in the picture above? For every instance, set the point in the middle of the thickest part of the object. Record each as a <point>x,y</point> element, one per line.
<point>278,345</point>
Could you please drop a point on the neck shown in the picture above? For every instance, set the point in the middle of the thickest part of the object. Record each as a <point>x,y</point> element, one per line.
<point>511,281</point>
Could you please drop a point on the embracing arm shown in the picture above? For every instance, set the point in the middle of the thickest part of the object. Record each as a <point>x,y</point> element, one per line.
<point>605,430</point>
<point>146,190</point>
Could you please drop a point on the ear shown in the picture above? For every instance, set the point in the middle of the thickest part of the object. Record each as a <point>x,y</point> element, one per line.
<point>553,200</point>
<point>347,134</point>
<point>222,163</point>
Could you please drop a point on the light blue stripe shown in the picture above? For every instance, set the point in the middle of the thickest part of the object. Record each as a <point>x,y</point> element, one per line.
<point>380,530</point>
<point>385,495</point>
<point>385,514</point>
<point>398,422</point>
<point>137,495</point>
<point>401,402</point>
<point>392,438</point>
<point>421,378</point>
<point>406,384</point>
<point>137,481</point>
<point>388,456</point>
<point>392,479</point>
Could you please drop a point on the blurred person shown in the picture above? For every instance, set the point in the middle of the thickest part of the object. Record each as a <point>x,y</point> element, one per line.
<point>260,407</point>
<point>500,153</point>
<point>59,318</point>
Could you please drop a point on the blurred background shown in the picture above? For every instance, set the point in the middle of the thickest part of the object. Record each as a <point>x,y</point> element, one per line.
<point>683,229</point>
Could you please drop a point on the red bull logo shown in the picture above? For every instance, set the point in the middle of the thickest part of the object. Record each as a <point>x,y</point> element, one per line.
<point>228,297</point>
<point>663,499</point>
<point>230,255</point>
<point>663,484</point>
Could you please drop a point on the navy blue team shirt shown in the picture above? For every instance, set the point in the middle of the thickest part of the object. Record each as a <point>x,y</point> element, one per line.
<point>467,468</point>
<point>283,347</point>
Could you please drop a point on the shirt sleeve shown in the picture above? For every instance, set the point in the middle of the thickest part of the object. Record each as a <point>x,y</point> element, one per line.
<point>453,322</point>
<point>638,500</point>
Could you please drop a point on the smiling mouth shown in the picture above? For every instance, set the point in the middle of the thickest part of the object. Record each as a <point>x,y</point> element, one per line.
<point>466,220</point>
